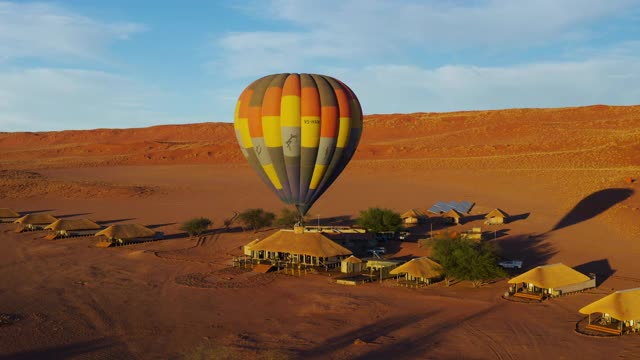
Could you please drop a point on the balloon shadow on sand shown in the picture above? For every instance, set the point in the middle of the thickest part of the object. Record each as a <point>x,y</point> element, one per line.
<point>592,206</point>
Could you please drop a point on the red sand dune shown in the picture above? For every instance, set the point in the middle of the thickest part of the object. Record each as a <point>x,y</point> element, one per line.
<point>564,173</point>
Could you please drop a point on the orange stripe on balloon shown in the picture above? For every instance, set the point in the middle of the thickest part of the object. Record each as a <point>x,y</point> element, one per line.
<point>255,121</point>
<point>329,122</point>
<point>343,103</point>
<point>243,111</point>
<point>271,102</point>
<point>291,85</point>
<point>310,105</point>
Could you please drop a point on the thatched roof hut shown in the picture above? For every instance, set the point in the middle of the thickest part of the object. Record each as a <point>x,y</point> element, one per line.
<point>351,264</point>
<point>496,216</point>
<point>554,280</point>
<point>307,248</point>
<point>422,269</point>
<point>36,219</point>
<point>73,224</point>
<point>6,213</point>
<point>453,216</point>
<point>622,305</point>
<point>307,243</point>
<point>620,311</point>
<point>414,216</point>
<point>126,232</point>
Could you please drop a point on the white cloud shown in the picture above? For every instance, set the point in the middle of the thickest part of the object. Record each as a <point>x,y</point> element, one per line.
<point>366,31</point>
<point>55,99</point>
<point>400,88</point>
<point>49,31</point>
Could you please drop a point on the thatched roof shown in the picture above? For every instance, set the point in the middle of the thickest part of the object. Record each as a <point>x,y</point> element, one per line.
<point>622,305</point>
<point>307,243</point>
<point>8,213</point>
<point>550,276</point>
<point>73,224</point>
<point>496,213</point>
<point>453,213</point>
<point>36,219</point>
<point>414,213</point>
<point>421,267</point>
<point>353,260</point>
<point>126,231</point>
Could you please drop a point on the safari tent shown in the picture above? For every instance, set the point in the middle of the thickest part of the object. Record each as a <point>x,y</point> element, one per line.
<point>72,227</point>
<point>619,312</point>
<point>420,270</point>
<point>351,264</point>
<point>496,217</point>
<point>452,216</point>
<point>34,222</point>
<point>550,281</point>
<point>126,233</point>
<point>414,216</point>
<point>307,248</point>
<point>8,215</point>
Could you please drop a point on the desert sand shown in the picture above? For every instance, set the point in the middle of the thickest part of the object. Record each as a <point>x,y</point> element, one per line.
<point>561,172</point>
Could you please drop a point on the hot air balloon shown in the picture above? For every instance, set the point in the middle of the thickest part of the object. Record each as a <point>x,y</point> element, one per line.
<point>298,132</point>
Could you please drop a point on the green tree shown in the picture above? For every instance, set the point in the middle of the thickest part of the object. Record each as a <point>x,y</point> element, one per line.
<point>256,219</point>
<point>288,217</point>
<point>379,220</point>
<point>464,259</point>
<point>196,226</point>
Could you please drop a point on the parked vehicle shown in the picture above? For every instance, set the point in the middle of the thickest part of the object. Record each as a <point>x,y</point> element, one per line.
<point>378,250</point>
<point>511,264</point>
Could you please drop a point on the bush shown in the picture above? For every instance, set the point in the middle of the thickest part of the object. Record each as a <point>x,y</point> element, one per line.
<point>256,219</point>
<point>464,259</point>
<point>288,217</point>
<point>379,220</point>
<point>196,226</point>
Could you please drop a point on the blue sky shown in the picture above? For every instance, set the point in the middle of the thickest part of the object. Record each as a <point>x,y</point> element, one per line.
<point>114,64</point>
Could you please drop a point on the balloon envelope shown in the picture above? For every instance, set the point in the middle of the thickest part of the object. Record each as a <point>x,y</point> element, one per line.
<point>298,132</point>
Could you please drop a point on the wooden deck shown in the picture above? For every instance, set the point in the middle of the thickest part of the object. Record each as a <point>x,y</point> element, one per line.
<point>527,295</point>
<point>604,329</point>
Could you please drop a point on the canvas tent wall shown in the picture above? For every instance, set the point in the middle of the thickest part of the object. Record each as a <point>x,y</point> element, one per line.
<point>351,264</point>
<point>554,280</point>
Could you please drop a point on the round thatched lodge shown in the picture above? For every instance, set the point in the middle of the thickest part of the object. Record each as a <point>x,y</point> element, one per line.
<point>298,247</point>
<point>550,281</point>
<point>421,271</point>
<point>618,312</point>
<point>120,234</point>
<point>34,222</point>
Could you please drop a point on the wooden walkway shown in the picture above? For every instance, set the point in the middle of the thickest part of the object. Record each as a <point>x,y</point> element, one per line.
<point>604,329</point>
<point>525,295</point>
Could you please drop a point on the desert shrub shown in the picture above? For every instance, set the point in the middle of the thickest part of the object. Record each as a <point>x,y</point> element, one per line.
<point>256,219</point>
<point>379,220</point>
<point>464,259</point>
<point>196,226</point>
<point>288,217</point>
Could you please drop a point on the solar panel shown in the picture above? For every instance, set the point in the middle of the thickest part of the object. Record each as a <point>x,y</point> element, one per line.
<point>460,206</point>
